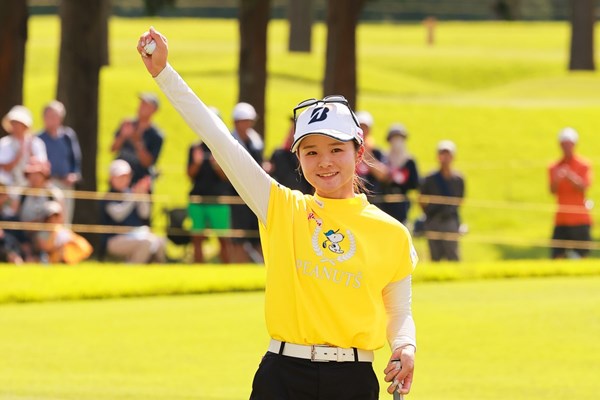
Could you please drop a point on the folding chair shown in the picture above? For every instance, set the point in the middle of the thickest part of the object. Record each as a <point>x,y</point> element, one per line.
<point>176,231</point>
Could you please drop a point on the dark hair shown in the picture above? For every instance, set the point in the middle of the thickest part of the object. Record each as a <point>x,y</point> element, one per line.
<point>360,182</point>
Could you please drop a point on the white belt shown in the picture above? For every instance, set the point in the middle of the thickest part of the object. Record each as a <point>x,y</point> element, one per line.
<point>320,352</point>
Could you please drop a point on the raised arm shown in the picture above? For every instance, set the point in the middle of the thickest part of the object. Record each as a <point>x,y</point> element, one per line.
<point>251,182</point>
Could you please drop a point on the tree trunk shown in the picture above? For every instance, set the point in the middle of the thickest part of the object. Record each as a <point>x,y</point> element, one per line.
<point>253,23</point>
<point>83,51</point>
<point>300,19</point>
<point>340,68</point>
<point>583,19</point>
<point>13,36</point>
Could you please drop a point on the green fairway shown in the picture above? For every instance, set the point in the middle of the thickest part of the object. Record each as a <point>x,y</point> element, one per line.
<point>499,90</point>
<point>524,339</point>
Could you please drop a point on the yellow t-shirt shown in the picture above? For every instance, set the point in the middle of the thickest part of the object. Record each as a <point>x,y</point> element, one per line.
<point>327,262</point>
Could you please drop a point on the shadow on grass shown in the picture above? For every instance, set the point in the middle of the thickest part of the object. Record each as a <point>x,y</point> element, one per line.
<point>528,253</point>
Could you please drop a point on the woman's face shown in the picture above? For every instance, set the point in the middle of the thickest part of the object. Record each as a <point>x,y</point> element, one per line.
<point>329,165</point>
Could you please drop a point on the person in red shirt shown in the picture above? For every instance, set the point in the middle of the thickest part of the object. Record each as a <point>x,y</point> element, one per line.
<point>569,179</point>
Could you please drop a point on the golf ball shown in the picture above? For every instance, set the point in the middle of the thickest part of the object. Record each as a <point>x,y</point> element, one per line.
<point>150,47</point>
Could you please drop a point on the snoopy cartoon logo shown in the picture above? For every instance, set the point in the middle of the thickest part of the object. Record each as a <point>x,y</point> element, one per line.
<point>333,241</point>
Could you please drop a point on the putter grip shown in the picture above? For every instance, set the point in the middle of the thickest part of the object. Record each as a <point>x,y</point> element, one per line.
<point>398,396</point>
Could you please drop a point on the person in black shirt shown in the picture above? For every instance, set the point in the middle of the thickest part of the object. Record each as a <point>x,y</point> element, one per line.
<point>284,165</point>
<point>207,180</point>
<point>246,248</point>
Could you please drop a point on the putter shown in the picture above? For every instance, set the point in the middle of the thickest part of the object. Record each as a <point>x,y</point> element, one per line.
<point>397,396</point>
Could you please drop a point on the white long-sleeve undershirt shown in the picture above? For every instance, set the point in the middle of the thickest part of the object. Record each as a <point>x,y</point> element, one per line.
<point>397,297</point>
<point>253,185</point>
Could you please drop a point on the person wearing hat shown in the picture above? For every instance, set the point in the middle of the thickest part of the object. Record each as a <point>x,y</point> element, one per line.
<point>335,288</point>
<point>403,174</point>
<point>246,248</point>
<point>372,169</point>
<point>570,177</point>
<point>442,192</point>
<point>59,243</point>
<point>64,153</point>
<point>121,209</point>
<point>38,191</point>
<point>284,166</point>
<point>10,247</point>
<point>139,141</point>
<point>32,202</point>
<point>19,145</point>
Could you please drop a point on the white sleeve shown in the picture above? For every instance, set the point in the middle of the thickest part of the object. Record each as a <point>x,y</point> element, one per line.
<point>401,329</point>
<point>249,179</point>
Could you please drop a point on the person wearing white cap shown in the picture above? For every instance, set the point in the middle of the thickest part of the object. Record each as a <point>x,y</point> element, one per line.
<point>138,140</point>
<point>245,249</point>
<point>570,177</point>
<point>335,287</point>
<point>138,245</point>
<point>60,243</point>
<point>19,145</point>
<point>442,192</point>
<point>32,201</point>
<point>403,173</point>
<point>64,153</point>
<point>372,169</point>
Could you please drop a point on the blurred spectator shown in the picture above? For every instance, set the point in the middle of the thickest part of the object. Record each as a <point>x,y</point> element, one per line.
<point>138,141</point>
<point>403,173</point>
<point>138,245</point>
<point>372,169</point>
<point>33,200</point>
<point>284,166</point>
<point>570,177</point>
<point>10,248</point>
<point>246,249</point>
<point>448,188</point>
<point>59,243</point>
<point>38,191</point>
<point>208,179</point>
<point>19,145</point>
<point>64,154</point>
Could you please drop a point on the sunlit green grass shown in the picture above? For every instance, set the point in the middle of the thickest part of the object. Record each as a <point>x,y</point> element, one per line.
<point>499,90</point>
<point>523,339</point>
<point>105,281</point>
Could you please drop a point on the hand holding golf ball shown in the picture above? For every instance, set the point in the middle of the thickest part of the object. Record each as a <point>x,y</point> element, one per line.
<point>152,46</point>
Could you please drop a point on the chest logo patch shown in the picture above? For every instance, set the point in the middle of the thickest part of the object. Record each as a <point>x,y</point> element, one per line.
<point>332,245</point>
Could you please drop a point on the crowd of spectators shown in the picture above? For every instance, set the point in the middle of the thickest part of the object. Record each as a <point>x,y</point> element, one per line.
<point>39,172</point>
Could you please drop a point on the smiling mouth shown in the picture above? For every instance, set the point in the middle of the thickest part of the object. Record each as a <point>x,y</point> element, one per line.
<point>327,174</point>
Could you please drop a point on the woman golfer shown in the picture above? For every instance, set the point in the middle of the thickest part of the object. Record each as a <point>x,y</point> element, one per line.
<point>338,268</point>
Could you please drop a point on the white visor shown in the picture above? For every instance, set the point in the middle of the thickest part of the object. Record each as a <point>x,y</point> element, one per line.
<point>330,119</point>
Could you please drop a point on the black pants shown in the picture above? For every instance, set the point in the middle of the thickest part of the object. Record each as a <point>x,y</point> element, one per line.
<point>579,233</point>
<point>281,377</point>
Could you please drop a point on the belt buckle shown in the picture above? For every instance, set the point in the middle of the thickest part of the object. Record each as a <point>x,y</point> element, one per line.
<point>313,353</point>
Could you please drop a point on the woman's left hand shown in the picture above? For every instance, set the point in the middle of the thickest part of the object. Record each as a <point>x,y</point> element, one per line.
<point>400,370</point>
